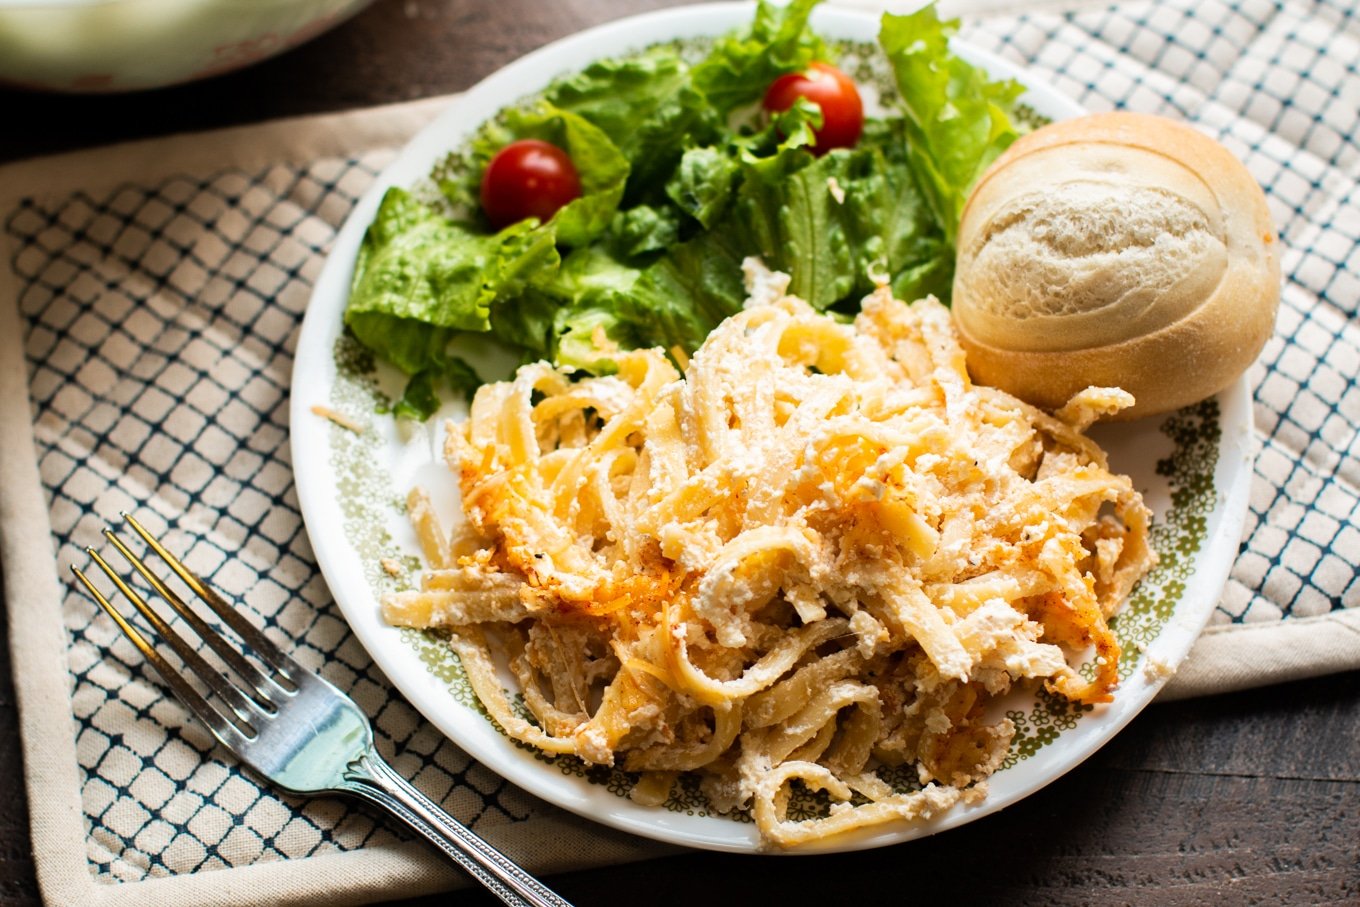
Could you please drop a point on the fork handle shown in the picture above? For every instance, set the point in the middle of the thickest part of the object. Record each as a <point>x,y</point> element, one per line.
<point>372,779</point>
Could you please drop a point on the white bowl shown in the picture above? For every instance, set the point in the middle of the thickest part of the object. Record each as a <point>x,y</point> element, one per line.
<point>125,45</point>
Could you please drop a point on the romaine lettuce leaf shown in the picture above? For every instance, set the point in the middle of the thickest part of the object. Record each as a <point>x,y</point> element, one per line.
<point>741,66</point>
<point>422,278</point>
<point>560,317</point>
<point>525,323</point>
<point>599,163</point>
<point>836,224</point>
<point>644,229</point>
<point>579,332</point>
<point>421,397</point>
<point>958,119</point>
<point>647,107</point>
<point>701,185</point>
<point>787,214</point>
<point>418,279</point>
<point>888,222</point>
<point>682,296</point>
<point>601,166</point>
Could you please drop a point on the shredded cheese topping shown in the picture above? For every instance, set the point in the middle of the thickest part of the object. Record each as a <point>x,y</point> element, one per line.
<point>820,551</point>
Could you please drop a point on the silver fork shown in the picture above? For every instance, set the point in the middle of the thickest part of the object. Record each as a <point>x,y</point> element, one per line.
<point>292,727</point>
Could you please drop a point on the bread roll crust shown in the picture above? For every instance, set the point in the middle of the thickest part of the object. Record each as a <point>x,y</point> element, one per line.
<point>1115,249</point>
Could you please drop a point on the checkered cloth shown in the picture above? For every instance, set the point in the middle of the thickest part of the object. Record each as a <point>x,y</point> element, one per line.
<point>150,298</point>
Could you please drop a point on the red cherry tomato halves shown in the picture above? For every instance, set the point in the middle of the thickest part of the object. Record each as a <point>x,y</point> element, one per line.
<point>528,178</point>
<point>832,91</point>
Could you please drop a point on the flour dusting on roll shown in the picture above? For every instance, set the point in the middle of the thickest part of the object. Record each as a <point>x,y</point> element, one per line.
<point>1115,250</point>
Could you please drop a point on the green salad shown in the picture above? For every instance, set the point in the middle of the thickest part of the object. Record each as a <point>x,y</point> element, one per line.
<point>681,173</point>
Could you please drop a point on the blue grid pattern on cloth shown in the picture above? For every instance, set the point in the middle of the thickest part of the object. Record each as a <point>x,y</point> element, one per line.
<point>160,323</point>
<point>159,328</point>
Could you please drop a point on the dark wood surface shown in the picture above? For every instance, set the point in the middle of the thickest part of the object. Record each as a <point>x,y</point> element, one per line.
<point>1248,798</point>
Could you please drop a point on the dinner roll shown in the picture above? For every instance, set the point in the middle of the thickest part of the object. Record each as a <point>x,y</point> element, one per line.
<point>1117,249</point>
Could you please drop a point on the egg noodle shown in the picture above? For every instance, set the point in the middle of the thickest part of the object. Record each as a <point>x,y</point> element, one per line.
<point>820,552</point>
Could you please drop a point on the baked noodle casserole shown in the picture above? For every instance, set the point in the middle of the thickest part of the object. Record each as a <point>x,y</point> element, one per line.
<point>819,551</point>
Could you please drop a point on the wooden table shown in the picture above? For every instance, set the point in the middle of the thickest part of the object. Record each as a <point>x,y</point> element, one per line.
<point>1250,798</point>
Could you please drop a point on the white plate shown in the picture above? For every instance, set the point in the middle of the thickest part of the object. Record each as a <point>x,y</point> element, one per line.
<point>351,487</point>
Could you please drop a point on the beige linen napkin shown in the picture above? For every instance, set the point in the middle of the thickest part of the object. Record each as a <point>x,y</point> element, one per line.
<point>149,300</point>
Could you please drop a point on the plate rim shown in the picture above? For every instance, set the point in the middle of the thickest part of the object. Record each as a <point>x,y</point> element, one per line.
<point>320,512</point>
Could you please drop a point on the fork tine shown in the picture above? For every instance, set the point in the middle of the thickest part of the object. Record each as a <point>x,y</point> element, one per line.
<point>192,660</point>
<point>269,653</point>
<point>225,730</point>
<point>228,653</point>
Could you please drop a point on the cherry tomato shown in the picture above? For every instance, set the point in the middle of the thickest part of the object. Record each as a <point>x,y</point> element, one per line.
<point>832,91</point>
<point>528,178</point>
